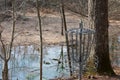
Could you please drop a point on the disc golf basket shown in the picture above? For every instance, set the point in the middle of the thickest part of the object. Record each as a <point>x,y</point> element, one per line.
<point>80,42</point>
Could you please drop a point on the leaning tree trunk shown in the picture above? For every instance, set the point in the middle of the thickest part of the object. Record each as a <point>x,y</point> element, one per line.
<point>102,41</point>
<point>5,71</point>
<point>66,36</point>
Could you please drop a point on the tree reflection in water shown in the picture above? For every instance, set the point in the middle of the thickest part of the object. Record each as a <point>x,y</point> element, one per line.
<point>24,63</point>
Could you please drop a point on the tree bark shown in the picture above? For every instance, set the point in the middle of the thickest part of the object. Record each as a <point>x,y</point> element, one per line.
<point>7,56</point>
<point>102,40</point>
<point>66,36</point>
<point>62,23</point>
<point>5,71</point>
<point>41,39</point>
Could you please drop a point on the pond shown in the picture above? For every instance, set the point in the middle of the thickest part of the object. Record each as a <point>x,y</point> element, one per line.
<point>25,63</point>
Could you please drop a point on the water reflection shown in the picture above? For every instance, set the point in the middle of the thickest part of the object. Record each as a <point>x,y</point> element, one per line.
<point>24,63</point>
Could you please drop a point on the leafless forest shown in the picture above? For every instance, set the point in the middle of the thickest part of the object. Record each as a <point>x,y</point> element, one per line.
<point>39,25</point>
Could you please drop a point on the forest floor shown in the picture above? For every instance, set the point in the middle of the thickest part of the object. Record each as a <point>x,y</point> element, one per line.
<point>27,31</point>
<point>96,77</point>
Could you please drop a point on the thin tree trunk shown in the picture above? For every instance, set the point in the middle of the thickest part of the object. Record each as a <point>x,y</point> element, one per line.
<point>5,71</point>
<point>41,42</point>
<point>102,42</point>
<point>8,55</point>
<point>62,23</point>
<point>13,30</point>
<point>66,36</point>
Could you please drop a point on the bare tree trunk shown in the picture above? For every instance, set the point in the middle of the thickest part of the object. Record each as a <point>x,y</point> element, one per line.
<point>7,56</point>
<point>41,42</point>
<point>102,40</point>
<point>62,23</point>
<point>5,71</point>
<point>66,36</point>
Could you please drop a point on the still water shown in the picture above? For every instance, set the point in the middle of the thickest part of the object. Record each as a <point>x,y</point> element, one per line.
<point>24,63</point>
